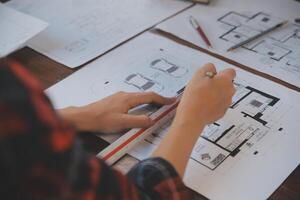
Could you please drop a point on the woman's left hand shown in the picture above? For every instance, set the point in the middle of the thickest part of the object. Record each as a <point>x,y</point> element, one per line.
<point>110,115</point>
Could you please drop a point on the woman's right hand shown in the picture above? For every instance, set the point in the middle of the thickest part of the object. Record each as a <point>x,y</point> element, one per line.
<point>205,99</point>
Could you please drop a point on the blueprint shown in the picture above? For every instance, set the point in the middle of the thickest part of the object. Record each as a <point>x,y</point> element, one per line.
<point>245,155</point>
<point>276,53</point>
<point>81,30</point>
<point>251,118</point>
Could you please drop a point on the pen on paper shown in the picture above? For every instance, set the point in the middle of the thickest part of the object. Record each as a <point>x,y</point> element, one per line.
<point>257,36</point>
<point>198,28</point>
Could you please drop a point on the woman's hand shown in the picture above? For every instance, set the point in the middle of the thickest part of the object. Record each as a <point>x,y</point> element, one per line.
<point>206,99</point>
<point>110,115</point>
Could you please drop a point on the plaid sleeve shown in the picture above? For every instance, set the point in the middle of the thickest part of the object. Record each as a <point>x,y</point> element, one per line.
<point>158,179</point>
<point>41,157</point>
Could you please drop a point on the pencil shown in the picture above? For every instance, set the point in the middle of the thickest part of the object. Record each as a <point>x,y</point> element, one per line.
<point>198,28</point>
<point>257,36</point>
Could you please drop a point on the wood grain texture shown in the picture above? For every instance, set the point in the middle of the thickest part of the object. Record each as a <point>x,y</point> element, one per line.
<point>50,72</point>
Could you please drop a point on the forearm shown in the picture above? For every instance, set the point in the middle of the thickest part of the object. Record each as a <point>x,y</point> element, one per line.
<point>178,144</point>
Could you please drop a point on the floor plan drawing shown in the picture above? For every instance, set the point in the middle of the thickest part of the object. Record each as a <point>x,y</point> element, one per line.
<point>278,46</point>
<point>156,74</point>
<point>169,68</point>
<point>276,53</point>
<point>226,137</point>
<point>143,83</point>
<point>81,31</point>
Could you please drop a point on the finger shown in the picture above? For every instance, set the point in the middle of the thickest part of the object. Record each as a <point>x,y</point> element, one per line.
<point>233,90</point>
<point>136,99</point>
<point>136,121</point>
<point>231,93</point>
<point>208,67</point>
<point>228,73</point>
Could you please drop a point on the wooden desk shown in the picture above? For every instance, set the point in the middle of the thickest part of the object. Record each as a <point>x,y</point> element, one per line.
<point>50,72</point>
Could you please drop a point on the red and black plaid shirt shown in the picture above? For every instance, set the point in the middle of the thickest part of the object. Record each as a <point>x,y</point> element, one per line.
<point>41,158</point>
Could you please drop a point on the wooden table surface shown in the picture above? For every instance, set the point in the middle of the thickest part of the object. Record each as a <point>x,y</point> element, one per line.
<point>49,72</point>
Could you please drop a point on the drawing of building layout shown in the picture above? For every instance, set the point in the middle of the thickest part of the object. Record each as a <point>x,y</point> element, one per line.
<point>157,74</point>
<point>169,68</point>
<point>161,65</point>
<point>143,83</point>
<point>280,45</point>
<point>226,137</point>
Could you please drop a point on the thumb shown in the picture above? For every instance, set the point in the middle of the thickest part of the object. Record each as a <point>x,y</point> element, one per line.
<point>136,121</point>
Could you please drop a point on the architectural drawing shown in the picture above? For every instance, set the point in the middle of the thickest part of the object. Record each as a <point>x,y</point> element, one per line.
<point>81,31</point>
<point>143,83</point>
<point>281,45</point>
<point>161,73</point>
<point>169,68</point>
<point>276,53</point>
<point>226,137</point>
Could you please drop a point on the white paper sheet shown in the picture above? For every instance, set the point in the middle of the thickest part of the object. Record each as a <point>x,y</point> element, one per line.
<point>84,29</point>
<point>269,121</point>
<point>16,28</point>
<point>227,22</point>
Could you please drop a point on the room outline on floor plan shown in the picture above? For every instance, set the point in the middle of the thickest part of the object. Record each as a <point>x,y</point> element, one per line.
<point>225,138</point>
<point>278,46</point>
<point>253,103</point>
